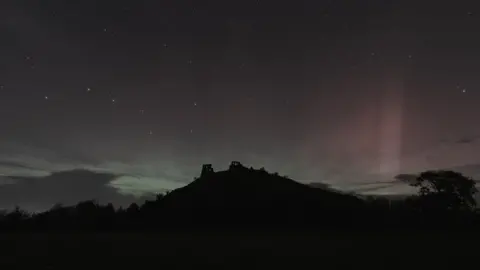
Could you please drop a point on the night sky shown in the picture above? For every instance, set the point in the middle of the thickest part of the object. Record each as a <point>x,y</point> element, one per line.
<point>116,99</point>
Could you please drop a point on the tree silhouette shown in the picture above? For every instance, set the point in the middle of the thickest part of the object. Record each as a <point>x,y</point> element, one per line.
<point>18,214</point>
<point>445,190</point>
<point>133,209</point>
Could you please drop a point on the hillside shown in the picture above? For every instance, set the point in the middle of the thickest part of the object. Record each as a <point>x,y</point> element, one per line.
<point>241,193</point>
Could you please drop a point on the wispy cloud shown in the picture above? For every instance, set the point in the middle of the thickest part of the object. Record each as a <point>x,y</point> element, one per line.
<point>35,177</point>
<point>67,187</point>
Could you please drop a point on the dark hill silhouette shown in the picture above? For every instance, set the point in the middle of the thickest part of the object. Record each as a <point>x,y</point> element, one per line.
<point>242,194</point>
<point>246,197</point>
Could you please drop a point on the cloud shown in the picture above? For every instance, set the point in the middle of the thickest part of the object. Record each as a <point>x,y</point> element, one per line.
<point>66,187</point>
<point>138,178</point>
<point>17,169</point>
<point>406,178</point>
<point>140,186</point>
<point>145,178</point>
<point>26,159</point>
<point>468,139</point>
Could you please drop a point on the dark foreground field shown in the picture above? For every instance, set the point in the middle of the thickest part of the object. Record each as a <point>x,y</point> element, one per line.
<point>259,250</point>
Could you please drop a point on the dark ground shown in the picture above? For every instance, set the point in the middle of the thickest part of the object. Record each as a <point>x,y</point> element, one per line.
<point>234,250</point>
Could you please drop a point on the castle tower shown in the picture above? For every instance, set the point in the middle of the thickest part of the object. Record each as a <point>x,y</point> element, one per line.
<point>235,165</point>
<point>207,169</point>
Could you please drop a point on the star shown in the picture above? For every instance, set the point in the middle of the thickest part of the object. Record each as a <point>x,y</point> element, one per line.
<point>104,29</point>
<point>150,133</point>
<point>464,90</point>
<point>46,97</point>
<point>195,104</point>
<point>2,86</point>
<point>27,58</point>
<point>373,54</point>
<point>410,56</point>
<point>89,89</point>
<point>113,100</point>
<point>191,130</point>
